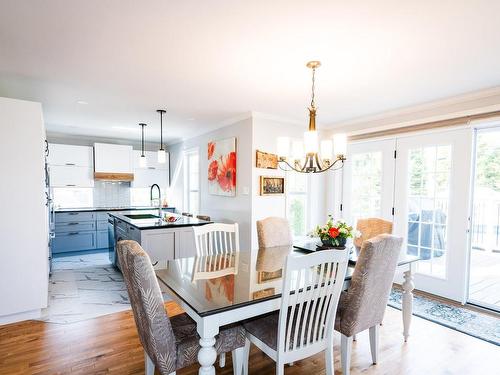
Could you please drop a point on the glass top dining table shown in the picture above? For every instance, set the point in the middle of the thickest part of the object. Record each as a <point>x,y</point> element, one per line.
<point>218,283</point>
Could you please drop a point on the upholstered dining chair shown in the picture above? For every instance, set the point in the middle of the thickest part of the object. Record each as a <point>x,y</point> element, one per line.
<point>304,324</point>
<point>371,227</point>
<point>274,231</point>
<point>169,343</point>
<point>363,305</point>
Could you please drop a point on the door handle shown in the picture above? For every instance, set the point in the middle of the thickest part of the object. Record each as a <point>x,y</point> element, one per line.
<point>73,233</point>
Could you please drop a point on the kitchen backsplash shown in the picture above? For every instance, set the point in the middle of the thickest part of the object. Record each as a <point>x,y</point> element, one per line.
<point>111,194</point>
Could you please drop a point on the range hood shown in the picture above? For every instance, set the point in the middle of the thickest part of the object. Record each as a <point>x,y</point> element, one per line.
<point>113,162</point>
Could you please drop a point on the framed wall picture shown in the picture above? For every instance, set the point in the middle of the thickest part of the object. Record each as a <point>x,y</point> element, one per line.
<point>272,185</point>
<point>264,276</point>
<point>221,156</point>
<point>266,160</point>
<point>264,293</point>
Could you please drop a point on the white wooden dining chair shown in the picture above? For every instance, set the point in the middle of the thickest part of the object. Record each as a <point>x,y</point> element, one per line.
<point>304,324</point>
<point>216,238</point>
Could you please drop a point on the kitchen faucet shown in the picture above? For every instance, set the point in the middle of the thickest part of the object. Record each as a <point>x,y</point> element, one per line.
<point>160,212</point>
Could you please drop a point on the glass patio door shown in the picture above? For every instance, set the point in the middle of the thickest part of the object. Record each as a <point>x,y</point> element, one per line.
<point>431,207</point>
<point>368,180</point>
<point>484,274</point>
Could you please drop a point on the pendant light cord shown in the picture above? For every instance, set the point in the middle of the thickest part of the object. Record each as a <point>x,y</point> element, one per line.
<point>161,130</point>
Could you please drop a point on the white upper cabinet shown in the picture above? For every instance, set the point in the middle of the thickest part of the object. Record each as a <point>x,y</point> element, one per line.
<point>71,176</point>
<point>153,173</point>
<point>69,155</point>
<point>110,158</point>
<point>151,160</point>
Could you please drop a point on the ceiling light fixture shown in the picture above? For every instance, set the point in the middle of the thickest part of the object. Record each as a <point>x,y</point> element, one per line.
<point>162,155</point>
<point>142,160</point>
<point>307,156</point>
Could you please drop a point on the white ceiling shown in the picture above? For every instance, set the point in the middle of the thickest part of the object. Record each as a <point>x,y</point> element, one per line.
<point>207,61</point>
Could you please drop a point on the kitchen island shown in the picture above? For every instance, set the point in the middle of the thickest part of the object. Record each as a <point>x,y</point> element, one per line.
<point>161,239</point>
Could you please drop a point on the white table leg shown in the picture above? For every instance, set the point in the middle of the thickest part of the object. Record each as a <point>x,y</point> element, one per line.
<point>407,303</point>
<point>207,355</point>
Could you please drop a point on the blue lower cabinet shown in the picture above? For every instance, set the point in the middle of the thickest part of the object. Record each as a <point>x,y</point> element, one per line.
<point>102,239</point>
<point>73,241</point>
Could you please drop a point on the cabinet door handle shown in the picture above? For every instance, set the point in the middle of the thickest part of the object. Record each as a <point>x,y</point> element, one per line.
<point>72,213</point>
<point>73,233</point>
<point>70,163</point>
<point>151,168</point>
<point>73,223</point>
<point>70,185</point>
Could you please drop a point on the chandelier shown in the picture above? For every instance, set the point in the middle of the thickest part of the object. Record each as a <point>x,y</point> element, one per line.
<point>310,155</point>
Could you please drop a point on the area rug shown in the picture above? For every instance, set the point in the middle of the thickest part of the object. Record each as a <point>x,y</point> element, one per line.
<point>483,326</point>
<point>84,286</point>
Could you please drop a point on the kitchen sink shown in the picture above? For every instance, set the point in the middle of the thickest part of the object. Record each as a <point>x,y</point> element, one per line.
<point>142,216</point>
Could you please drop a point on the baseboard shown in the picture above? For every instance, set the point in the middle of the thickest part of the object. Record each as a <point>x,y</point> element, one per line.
<point>26,315</point>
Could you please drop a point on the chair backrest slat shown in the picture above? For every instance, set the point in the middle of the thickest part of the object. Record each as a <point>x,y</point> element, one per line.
<point>217,238</point>
<point>310,294</point>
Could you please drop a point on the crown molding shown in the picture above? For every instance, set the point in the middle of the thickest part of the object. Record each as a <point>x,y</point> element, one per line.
<point>473,103</point>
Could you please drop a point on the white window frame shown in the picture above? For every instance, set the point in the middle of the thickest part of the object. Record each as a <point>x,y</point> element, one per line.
<point>187,175</point>
<point>289,194</point>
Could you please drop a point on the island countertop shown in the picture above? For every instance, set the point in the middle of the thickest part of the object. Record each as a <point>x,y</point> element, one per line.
<point>143,224</point>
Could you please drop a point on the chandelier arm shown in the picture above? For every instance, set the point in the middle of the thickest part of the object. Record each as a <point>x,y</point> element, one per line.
<point>291,168</point>
<point>331,166</point>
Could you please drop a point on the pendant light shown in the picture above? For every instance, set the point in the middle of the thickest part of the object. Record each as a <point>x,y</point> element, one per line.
<point>311,155</point>
<point>142,160</point>
<point>162,155</point>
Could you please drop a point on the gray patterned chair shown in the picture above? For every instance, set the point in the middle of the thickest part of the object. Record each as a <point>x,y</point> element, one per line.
<point>363,305</point>
<point>274,231</point>
<point>169,343</point>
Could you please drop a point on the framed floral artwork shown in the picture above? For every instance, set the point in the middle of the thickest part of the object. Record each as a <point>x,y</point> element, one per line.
<point>222,167</point>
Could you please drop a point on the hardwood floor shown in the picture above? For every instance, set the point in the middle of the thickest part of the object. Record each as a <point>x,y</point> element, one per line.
<point>109,345</point>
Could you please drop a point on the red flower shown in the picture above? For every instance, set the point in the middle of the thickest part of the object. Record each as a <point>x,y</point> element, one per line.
<point>227,172</point>
<point>211,149</point>
<point>212,170</point>
<point>333,232</point>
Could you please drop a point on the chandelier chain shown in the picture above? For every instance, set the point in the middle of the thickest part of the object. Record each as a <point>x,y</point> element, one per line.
<point>312,88</point>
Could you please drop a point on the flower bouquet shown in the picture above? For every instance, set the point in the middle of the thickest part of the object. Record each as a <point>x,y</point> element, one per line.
<point>335,232</point>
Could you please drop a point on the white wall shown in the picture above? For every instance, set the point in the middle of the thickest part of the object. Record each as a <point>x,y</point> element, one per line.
<point>219,208</point>
<point>23,222</point>
<point>260,132</point>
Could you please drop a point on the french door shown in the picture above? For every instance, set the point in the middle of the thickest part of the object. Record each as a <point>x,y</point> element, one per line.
<point>421,183</point>
<point>432,205</point>
<point>368,184</point>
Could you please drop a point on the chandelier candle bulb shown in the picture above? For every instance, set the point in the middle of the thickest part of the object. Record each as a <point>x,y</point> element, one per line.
<point>340,145</point>
<point>297,150</point>
<point>283,146</point>
<point>326,149</point>
<point>311,142</point>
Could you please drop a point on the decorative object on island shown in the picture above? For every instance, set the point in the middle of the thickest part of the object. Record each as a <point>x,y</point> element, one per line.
<point>308,156</point>
<point>142,160</point>
<point>162,155</point>
<point>266,160</point>
<point>272,185</point>
<point>335,233</point>
<point>222,167</point>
